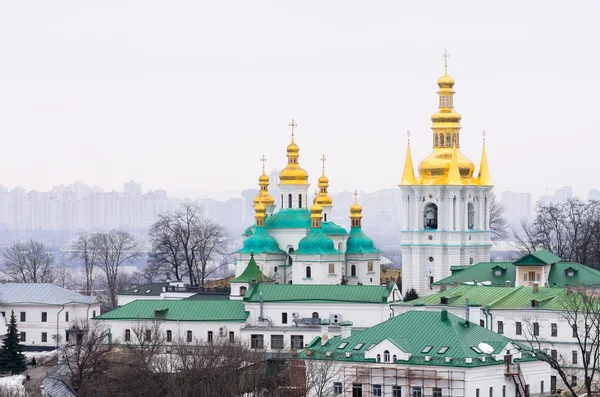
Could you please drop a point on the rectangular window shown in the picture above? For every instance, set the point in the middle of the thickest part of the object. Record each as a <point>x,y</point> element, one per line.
<point>44,317</point>
<point>501,327</point>
<point>574,328</point>
<point>23,336</point>
<point>437,392</point>
<point>44,337</point>
<point>481,323</point>
<point>536,329</point>
<point>524,276</point>
<point>231,337</point>
<point>573,380</point>
<point>169,336</point>
<point>67,317</point>
<point>504,391</point>
<point>210,337</point>
<point>297,341</point>
<point>538,277</point>
<point>357,390</point>
<point>23,317</point>
<point>337,387</point>
<point>477,390</point>
<point>93,313</point>
<point>541,386</point>
<point>396,391</point>
<point>148,335</point>
<point>331,268</point>
<point>553,384</point>
<point>554,354</point>
<point>188,336</point>
<point>417,392</point>
<point>574,356</point>
<point>518,328</point>
<point>376,390</point>
<point>588,356</point>
<point>491,392</point>
<point>553,329</point>
<point>257,341</point>
<point>276,341</point>
<point>283,318</point>
<point>127,335</point>
<point>370,266</point>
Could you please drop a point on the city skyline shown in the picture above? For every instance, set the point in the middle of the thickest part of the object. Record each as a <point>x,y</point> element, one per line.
<point>163,103</point>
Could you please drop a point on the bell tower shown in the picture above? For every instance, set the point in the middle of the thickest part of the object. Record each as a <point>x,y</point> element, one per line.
<point>446,208</point>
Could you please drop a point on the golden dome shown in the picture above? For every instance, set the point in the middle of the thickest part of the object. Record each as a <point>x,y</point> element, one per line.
<point>293,174</point>
<point>355,209</point>
<point>316,211</point>
<point>263,195</point>
<point>324,198</point>
<point>435,167</point>
<point>260,211</point>
<point>445,81</point>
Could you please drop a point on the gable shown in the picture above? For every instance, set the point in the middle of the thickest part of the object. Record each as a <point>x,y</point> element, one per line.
<point>387,345</point>
<point>538,258</point>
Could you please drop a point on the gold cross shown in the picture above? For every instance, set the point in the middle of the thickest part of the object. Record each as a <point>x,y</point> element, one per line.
<point>293,125</point>
<point>445,55</point>
<point>355,194</point>
<point>323,160</point>
<point>408,135</point>
<point>263,159</point>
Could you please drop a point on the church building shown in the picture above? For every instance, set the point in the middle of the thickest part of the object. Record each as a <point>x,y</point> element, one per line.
<point>446,208</point>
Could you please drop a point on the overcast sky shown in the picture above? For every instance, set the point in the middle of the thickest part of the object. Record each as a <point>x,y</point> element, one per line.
<point>187,95</point>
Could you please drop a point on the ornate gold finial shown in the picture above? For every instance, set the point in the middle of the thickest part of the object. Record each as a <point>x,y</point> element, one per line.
<point>293,125</point>
<point>445,55</point>
<point>355,194</point>
<point>408,135</point>
<point>263,159</point>
<point>323,160</point>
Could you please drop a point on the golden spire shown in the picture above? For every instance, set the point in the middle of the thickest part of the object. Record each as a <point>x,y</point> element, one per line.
<point>293,174</point>
<point>263,195</point>
<point>408,175</point>
<point>355,211</point>
<point>324,199</point>
<point>316,215</point>
<point>484,173</point>
<point>454,172</point>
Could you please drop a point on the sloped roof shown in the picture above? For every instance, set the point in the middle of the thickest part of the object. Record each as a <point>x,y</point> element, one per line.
<point>250,273</point>
<point>46,294</point>
<point>180,310</point>
<point>331,228</point>
<point>539,258</point>
<point>316,243</point>
<point>583,275</point>
<point>152,289</point>
<point>360,243</point>
<point>412,332</point>
<point>289,218</point>
<point>260,242</point>
<point>482,271</point>
<point>521,298</point>
<point>319,293</point>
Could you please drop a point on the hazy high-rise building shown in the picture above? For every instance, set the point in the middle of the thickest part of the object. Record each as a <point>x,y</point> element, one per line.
<point>594,194</point>
<point>517,207</point>
<point>132,187</point>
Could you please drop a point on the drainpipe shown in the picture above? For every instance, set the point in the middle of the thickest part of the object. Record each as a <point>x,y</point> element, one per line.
<point>261,317</point>
<point>57,323</point>
<point>486,311</point>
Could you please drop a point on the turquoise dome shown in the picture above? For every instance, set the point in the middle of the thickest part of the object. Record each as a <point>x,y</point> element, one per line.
<point>359,243</point>
<point>248,232</point>
<point>316,243</point>
<point>290,218</point>
<point>260,242</point>
<point>332,228</point>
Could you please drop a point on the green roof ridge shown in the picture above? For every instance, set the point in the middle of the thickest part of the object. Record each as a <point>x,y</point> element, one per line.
<point>318,293</point>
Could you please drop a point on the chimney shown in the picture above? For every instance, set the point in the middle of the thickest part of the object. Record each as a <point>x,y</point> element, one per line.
<point>581,289</point>
<point>456,283</point>
<point>507,283</point>
<point>536,287</point>
<point>467,313</point>
<point>308,352</point>
<point>569,290</point>
<point>324,333</point>
<point>444,315</point>
<point>346,329</point>
<point>442,287</point>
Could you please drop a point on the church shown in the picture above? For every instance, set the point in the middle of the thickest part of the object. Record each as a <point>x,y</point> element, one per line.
<point>446,208</point>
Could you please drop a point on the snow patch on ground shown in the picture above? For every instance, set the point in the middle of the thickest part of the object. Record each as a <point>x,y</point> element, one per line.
<point>13,384</point>
<point>41,357</point>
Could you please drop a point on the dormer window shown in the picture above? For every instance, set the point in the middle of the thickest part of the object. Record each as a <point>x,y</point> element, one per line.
<point>476,349</point>
<point>358,346</point>
<point>535,303</point>
<point>443,350</point>
<point>344,344</point>
<point>444,300</point>
<point>427,349</point>
<point>158,313</point>
<point>497,273</point>
<point>570,273</point>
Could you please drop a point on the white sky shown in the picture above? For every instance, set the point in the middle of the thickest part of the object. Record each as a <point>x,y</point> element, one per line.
<point>187,95</point>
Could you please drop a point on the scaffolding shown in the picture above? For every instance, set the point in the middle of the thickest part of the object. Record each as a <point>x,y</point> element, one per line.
<point>450,382</point>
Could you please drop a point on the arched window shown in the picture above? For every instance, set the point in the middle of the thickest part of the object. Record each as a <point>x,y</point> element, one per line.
<point>395,359</point>
<point>289,201</point>
<point>379,358</point>
<point>325,217</point>
<point>430,216</point>
<point>315,315</point>
<point>386,356</point>
<point>353,271</point>
<point>471,216</point>
<point>441,139</point>
<point>308,272</point>
<point>447,139</point>
<point>275,269</point>
<point>437,140</point>
<point>290,256</point>
<point>242,291</point>
<point>340,247</point>
<point>299,201</point>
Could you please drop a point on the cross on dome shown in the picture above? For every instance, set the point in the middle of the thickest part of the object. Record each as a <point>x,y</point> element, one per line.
<point>263,160</point>
<point>445,55</point>
<point>323,160</point>
<point>355,194</point>
<point>293,125</point>
<point>483,133</point>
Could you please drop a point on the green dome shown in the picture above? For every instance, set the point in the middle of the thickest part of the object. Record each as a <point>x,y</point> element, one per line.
<point>248,232</point>
<point>316,243</point>
<point>290,218</point>
<point>332,228</point>
<point>260,242</point>
<point>359,243</point>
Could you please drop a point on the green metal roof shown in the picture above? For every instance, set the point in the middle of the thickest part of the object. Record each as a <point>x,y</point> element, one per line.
<point>260,242</point>
<point>319,293</point>
<point>316,243</point>
<point>179,310</point>
<point>411,332</point>
<point>482,272</point>
<point>289,218</point>
<point>207,297</point>
<point>359,243</point>
<point>583,275</point>
<point>481,295</point>
<point>251,273</point>
<point>248,232</point>
<point>539,258</point>
<point>152,289</point>
<point>330,228</point>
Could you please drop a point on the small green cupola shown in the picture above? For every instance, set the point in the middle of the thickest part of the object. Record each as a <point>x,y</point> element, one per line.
<point>260,242</point>
<point>316,242</point>
<point>358,242</point>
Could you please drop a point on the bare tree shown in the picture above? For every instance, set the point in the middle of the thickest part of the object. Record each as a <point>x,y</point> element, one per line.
<point>570,229</point>
<point>580,310</point>
<point>29,262</point>
<point>498,224</point>
<point>63,276</point>
<point>114,249</point>
<point>213,240</point>
<point>320,373</point>
<point>84,249</point>
<point>167,246</point>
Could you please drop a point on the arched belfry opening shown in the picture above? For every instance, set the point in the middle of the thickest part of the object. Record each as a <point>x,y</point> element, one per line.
<point>470,216</point>
<point>430,216</point>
